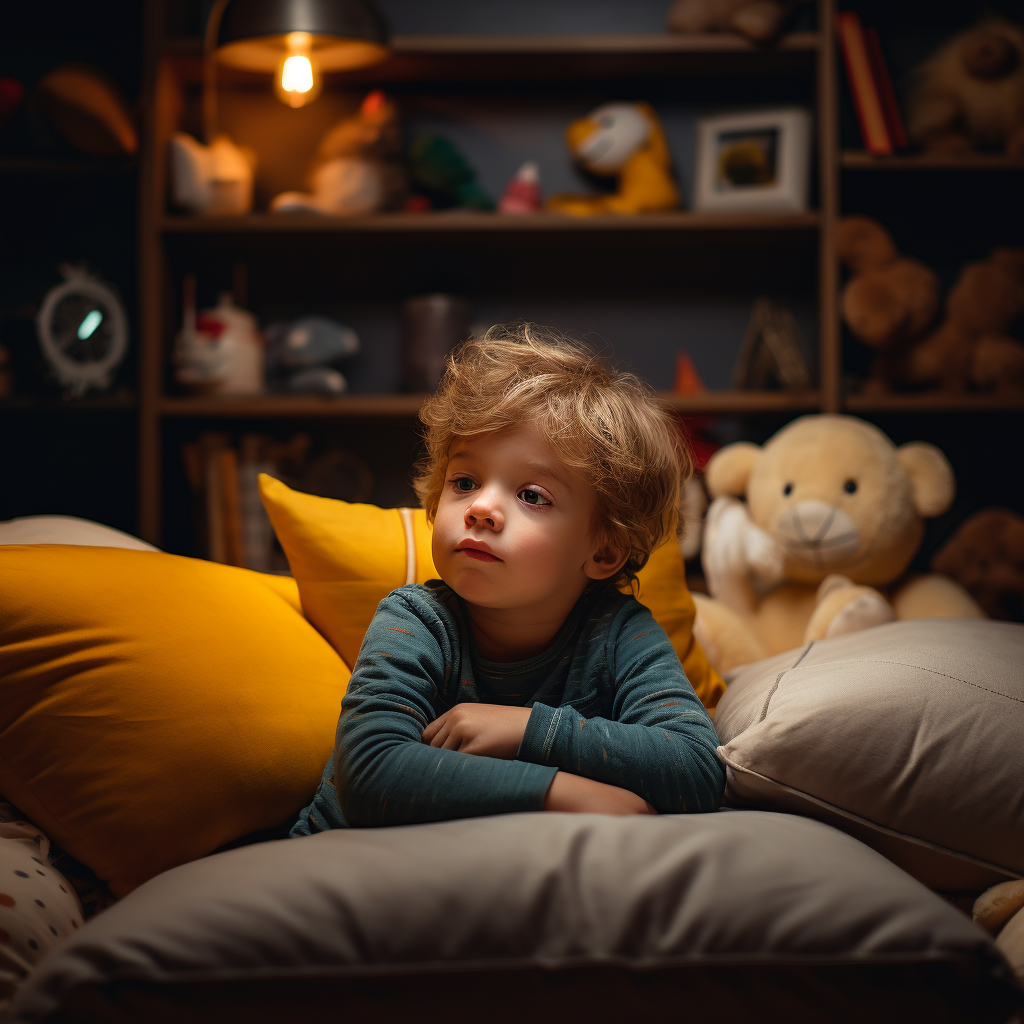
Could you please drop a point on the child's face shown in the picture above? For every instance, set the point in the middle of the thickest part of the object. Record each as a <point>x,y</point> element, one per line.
<point>515,527</point>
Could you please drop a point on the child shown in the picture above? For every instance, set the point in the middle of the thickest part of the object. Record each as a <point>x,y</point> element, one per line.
<point>523,679</point>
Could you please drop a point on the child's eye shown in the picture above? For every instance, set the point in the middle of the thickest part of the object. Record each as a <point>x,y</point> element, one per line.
<point>531,497</point>
<point>463,483</point>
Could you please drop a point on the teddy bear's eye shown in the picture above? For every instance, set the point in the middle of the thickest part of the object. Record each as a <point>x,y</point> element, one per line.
<point>850,487</point>
<point>787,490</point>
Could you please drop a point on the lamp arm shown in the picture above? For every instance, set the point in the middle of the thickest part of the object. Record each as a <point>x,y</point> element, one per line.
<point>210,69</point>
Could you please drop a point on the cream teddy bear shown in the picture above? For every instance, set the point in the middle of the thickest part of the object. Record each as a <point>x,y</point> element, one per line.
<point>811,536</point>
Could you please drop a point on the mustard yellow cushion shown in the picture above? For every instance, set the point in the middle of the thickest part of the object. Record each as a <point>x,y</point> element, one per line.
<point>154,707</point>
<point>346,558</point>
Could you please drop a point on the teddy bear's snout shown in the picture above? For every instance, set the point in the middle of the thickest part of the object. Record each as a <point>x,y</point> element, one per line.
<point>817,533</point>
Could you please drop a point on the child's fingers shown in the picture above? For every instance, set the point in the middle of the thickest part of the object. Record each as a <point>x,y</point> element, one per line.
<point>435,726</point>
<point>440,736</point>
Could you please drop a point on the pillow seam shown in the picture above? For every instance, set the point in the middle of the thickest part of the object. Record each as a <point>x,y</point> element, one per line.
<point>778,679</point>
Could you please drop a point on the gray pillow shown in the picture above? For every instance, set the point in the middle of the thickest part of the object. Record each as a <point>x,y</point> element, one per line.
<point>732,916</point>
<point>909,736</point>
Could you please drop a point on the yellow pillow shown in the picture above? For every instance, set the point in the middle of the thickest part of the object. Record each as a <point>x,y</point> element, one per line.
<point>152,707</point>
<point>346,558</point>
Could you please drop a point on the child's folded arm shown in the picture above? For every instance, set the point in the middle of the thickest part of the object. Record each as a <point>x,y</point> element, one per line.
<point>659,743</point>
<point>384,773</point>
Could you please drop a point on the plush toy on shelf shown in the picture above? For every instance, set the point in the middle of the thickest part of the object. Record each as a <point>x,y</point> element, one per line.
<point>624,140</point>
<point>758,20</point>
<point>215,180</point>
<point>357,168</point>
<point>522,193</point>
<point>986,556</point>
<point>890,300</point>
<point>219,351</point>
<point>970,93</point>
<point>301,356</point>
<point>442,178</point>
<point>811,536</point>
<point>971,347</point>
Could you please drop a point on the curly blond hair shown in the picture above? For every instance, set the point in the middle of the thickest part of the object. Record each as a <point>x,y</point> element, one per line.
<point>603,423</point>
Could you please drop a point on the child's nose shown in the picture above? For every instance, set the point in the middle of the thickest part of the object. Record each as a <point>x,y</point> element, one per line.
<point>484,512</point>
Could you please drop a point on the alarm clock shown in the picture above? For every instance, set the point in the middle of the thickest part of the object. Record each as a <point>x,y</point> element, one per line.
<point>83,331</point>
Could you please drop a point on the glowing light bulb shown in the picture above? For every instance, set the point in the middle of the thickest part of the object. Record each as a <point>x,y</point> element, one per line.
<point>298,77</point>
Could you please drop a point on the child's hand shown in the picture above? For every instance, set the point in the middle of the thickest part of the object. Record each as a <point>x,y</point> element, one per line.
<point>576,794</point>
<point>486,729</point>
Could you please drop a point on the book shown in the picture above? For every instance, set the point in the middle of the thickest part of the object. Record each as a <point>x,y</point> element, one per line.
<point>866,99</point>
<point>770,351</point>
<point>886,93</point>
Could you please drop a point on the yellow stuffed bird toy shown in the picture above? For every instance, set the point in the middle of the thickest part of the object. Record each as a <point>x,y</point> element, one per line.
<point>624,140</point>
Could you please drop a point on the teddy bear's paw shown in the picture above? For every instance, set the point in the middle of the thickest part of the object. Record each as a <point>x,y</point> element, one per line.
<point>866,609</point>
<point>831,583</point>
<point>844,609</point>
<point>995,906</point>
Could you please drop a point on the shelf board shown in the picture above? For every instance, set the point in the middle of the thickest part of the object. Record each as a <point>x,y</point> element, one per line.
<point>58,166</point>
<point>603,42</point>
<point>737,402</point>
<point>462,221</point>
<point>550,57</point>
<point>859,160</point>
<point>933,401</point>
<point>402,406</point>
<point>91,403</point>
<point>258,406</point>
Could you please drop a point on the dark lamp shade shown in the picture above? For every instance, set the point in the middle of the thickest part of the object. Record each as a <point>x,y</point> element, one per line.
<point>345,34</point>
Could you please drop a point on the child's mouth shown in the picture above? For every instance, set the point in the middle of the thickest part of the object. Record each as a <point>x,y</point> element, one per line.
<point>484,556</point>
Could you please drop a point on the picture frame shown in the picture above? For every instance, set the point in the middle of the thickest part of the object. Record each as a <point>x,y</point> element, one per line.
<point>753,162</point>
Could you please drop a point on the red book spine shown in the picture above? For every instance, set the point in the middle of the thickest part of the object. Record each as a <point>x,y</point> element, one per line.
<point>862,85</point>
<point>886,93</point>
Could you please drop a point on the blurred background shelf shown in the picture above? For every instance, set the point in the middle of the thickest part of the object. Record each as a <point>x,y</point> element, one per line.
<point>406,406</point>
<point>548,57</point>
<point>485,222</point>
<point>859,160</point>
<point>933,402</point>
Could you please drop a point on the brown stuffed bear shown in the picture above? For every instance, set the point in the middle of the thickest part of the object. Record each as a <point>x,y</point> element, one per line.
<point>972,348</point>
<point>986,556</point>
<point>889,301</point>
<point>758,20</point>
<point>970,93</point>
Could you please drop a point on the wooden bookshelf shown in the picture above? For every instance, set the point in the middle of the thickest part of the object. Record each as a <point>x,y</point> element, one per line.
<point>677,243</point>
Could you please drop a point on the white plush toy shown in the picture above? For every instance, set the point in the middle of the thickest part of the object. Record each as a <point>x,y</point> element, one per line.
<point>215,179</point>
<point>220,351</point>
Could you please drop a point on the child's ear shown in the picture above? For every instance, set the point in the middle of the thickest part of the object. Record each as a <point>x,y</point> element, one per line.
<point>608,558</point>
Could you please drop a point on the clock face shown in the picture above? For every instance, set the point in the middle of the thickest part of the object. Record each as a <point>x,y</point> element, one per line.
<point>83,328</point>
<point>83,331</point>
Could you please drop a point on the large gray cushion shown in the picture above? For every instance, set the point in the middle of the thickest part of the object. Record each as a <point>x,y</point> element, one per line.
<point>909,736</point>
<point>732,916</point>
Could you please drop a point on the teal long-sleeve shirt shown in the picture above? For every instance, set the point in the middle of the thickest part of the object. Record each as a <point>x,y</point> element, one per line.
<point>609,700</point>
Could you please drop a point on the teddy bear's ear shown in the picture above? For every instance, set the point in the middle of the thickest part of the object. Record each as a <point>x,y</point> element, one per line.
<point>931,477</point>
<point>730,467</point>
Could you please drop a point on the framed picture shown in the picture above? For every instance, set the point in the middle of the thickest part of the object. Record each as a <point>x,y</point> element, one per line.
<point>753,162</point>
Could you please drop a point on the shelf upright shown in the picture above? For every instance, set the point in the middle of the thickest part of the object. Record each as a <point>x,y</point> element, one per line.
<point>828,169</point>
<point>151,202</point>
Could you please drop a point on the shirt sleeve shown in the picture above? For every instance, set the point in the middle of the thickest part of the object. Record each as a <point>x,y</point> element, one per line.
<point>660,742</point>
<point>384,773</point>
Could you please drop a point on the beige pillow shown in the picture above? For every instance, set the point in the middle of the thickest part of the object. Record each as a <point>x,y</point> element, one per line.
<point>909,736</point>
